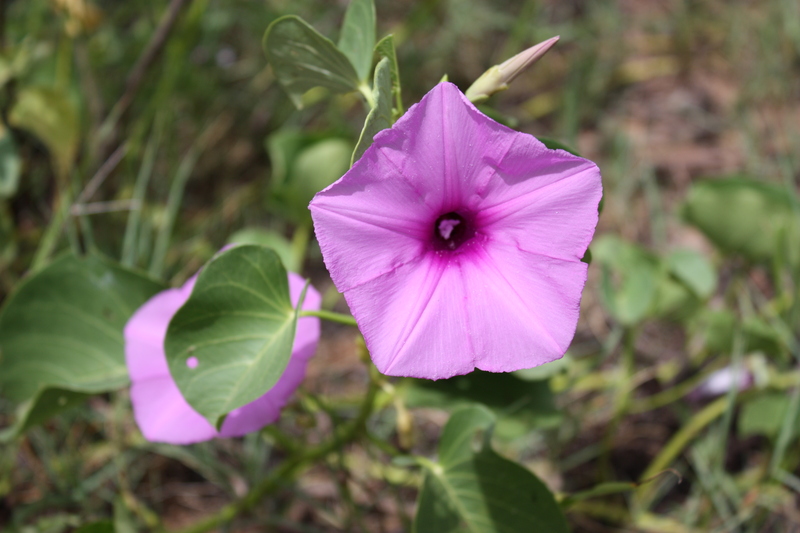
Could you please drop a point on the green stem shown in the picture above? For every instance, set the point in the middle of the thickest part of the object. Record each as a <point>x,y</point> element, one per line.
<point>292,467</point>
<point>280,438</point>
<point>670,395</point>
<point>786,433</point>
<point>733,392</point>
<point>365,90</point>
<point>339,318</point>
<point>53,232</point>
<point>644,496</point>
<point>300,244</point>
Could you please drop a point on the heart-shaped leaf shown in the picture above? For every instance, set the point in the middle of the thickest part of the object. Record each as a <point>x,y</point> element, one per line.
<point>754,219</point>
<point>269,239</point>
<point>380,116</point>
<point>303,59</point>
<point>630,278</point>
<point>358,35</point>
<point>63,327</point>
<point>694,270</point>
<point>478,490</point>
<point>231,341</point>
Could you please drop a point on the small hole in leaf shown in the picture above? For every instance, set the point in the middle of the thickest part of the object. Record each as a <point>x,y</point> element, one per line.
<point>192,362</point>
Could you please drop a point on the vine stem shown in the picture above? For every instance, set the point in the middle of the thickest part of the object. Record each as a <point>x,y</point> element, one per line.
<point>340,318</point>
<point>293,466</point>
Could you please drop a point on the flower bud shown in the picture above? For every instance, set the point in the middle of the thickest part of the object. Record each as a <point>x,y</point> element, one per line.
<point>498,77</point>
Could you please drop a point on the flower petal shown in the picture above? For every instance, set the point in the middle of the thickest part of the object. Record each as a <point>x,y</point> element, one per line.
<point>455,148</point>
<point>164,416</point>
<point>356,216</point>
<point>413,319</point>
<point>523,307</point>
<point>544,201</point>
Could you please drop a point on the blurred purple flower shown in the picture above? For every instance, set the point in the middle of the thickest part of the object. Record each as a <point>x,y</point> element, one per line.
<point>723,380</point>
<point>158,406</point>
<point>457,242</point>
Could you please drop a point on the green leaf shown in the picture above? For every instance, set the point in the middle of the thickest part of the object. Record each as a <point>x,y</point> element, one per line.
<point>52,523</point>
<point>717,328</point>
<point>694,270</point>
<point>380,116</point>
<point>51,116</point>
<point>764,414</point>
<point>545,371</point>
<point>62,328</point>
<point>43,406</point>
<point>630,278</point>
<point>282,148</point>
<point>10,164</point>
<point>302,166</point>
<point>303,59</point>
<point>385,48</point>
<point>238,326</point>
<point>480,491</point>
<point>761,336</point>
<point>746,217</point>
<point>358,35</point>
<point>268,239</point>
<point>674,300</point>
<point>528,403</point>
<point>124,518</point>
<point>557,145</point>
<point>8,237</point>
<point>319,165</point>
<point>104,526</point>
<point>636,284</point>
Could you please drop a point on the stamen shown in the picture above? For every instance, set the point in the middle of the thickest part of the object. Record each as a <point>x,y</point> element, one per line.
<point>451,230</point>
<point>447,226</point>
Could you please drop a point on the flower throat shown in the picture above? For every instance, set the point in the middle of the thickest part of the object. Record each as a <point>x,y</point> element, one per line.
<point>450,231</point>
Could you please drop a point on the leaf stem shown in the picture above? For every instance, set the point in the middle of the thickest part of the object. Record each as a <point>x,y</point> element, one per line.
<point>339,318</point>
<point>365,90</point>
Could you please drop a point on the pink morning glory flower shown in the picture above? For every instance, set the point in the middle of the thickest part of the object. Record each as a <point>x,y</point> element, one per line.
<point>457,242</point>
<point>160,410</point>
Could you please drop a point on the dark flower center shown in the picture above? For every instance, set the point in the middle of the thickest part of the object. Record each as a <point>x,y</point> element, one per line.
<point>450,231</point>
